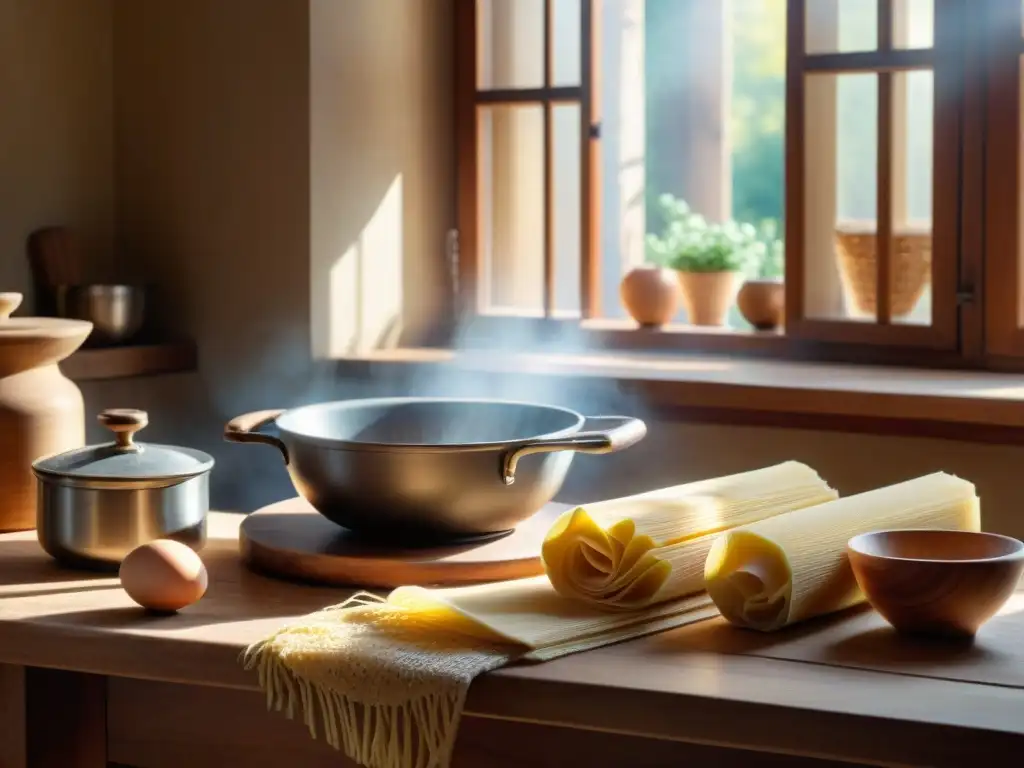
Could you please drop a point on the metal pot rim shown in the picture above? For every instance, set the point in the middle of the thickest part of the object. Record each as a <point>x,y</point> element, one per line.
<point>106,482</point>
<point>334,443</point>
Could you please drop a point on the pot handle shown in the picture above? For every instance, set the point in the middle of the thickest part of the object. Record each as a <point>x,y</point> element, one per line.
<point>124,423</point>
<point>627,432</point>
<point>242,429</point>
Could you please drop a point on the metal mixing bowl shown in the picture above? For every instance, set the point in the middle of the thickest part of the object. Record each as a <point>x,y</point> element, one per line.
<point>431,468</point>
<point>115,311</point>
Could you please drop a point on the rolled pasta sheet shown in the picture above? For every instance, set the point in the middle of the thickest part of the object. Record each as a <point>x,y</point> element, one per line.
<point>792,567</point>
<point>627,554</point>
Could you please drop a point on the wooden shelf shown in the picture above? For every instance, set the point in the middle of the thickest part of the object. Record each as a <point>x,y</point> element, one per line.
<point>135,360</point>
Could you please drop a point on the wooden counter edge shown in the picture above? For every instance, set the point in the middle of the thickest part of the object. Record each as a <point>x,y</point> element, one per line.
<point>505,695</point>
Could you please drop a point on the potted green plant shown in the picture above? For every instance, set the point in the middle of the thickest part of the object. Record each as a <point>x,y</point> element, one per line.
<point>709,259</point>
<point>762,299</point>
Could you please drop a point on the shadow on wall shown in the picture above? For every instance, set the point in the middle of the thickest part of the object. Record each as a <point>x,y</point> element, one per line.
<point>362,291</point>
<point>212,176</point>
<point>56,148</point>
<point>250,136</point>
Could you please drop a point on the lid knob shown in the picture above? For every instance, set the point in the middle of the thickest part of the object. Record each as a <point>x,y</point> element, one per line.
<point>124,423</point>
<point>8,303</point>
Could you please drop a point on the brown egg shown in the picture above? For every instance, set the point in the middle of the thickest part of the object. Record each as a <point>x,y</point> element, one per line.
<point>650,294</point>
<point>163,575</point>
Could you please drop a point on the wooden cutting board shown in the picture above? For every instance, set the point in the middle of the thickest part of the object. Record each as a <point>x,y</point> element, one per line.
<point>292,540</point>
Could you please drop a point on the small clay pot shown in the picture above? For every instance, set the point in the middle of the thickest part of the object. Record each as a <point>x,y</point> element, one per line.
<point>41,410</point>
<point>650,294</point>
<point>707,296</point>
<point>763,303</point>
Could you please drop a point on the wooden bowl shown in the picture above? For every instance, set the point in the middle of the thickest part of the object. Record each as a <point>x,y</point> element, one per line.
<point>936,582</point>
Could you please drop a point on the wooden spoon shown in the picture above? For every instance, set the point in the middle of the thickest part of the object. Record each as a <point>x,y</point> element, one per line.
<point>55,260</point>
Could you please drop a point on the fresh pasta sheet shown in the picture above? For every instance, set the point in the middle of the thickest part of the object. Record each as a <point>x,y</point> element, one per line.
<point>631,553</point>
<point>792,567</point>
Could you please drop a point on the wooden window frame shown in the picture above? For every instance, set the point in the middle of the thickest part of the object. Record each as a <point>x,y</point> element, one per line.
<point>885,63</point>
<point>970,230</point>
<point>1004,336</point>
<point>470,99</point>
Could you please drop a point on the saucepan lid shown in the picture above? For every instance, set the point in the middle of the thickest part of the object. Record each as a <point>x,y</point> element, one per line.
<point>125,459</point>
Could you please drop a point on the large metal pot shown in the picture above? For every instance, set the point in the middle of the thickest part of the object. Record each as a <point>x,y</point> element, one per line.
<point>97,503</point>
<point>430,468</point>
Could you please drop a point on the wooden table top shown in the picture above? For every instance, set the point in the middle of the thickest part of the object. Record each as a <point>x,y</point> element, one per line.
<point>845,689</point>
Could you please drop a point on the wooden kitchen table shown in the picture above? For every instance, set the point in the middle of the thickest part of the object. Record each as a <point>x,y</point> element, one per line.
<point>88,680</point>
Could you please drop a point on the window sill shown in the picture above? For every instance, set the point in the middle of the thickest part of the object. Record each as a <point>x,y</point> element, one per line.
<point>964,405</point>
<point>838,345</point>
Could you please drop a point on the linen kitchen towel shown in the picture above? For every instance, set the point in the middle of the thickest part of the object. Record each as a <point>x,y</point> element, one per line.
<point>387,679</point>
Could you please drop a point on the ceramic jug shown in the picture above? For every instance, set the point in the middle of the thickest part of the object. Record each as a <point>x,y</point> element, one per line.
<point>41,410</point>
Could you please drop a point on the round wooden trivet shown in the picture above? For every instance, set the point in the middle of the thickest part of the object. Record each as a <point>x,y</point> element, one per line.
<point>292,540</point>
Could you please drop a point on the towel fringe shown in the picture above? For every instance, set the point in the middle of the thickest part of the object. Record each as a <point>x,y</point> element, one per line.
<point>420,732</point>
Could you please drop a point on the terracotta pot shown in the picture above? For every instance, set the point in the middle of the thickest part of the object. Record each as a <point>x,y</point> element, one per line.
<point>650,294</point>
<point>763,303</point>
<point>41,411</point>
<point>707,296</point>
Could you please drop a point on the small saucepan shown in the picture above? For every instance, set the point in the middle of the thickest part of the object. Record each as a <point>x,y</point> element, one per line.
<point>96,504</point>
<point>430,468</point>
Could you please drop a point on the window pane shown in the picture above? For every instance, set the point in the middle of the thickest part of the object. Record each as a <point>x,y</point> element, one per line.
<point>566,25</point>
<point>840,196</point>
<point>510,44</point>
<point>693,106</point>
<point>565,143</point>
<point>512,207</point>
<point>841,26</point>
<point>913,23</point>
<point>911,250</point>
<point>627,75</point>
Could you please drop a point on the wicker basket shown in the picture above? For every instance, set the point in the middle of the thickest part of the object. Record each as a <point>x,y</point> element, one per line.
<point>910,270</point>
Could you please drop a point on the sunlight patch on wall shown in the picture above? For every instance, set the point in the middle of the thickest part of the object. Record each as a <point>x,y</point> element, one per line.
<point>381,275</point>
<point>365,282</point>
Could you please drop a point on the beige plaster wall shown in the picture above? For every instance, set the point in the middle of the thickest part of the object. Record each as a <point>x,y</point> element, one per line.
<point>284,175</point>
<point>56,127</point>
<point>235,204</point>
